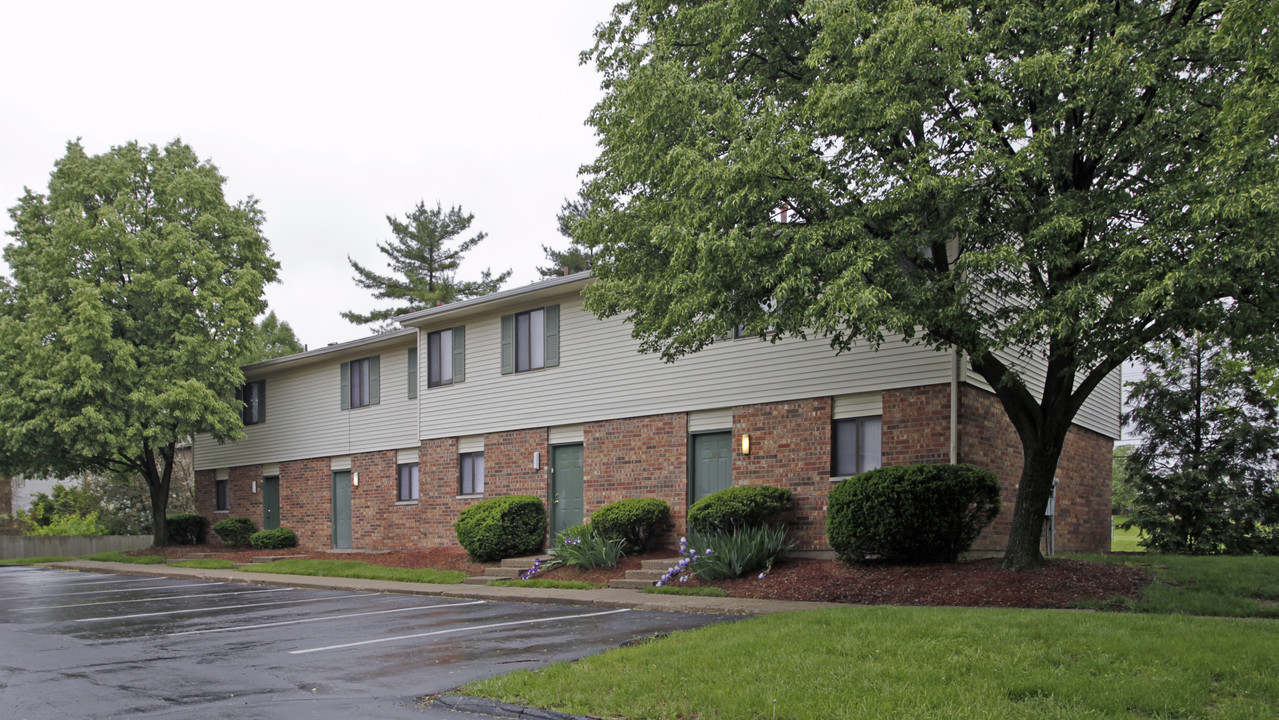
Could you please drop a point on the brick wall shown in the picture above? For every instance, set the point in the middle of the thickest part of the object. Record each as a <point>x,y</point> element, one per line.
<point>377,523</point>
<point>638,457</point>
<point>988,439</point>
<point>439,505</point>
<point>790,448</point>
<point>306,503</point>
<point>916,425</point>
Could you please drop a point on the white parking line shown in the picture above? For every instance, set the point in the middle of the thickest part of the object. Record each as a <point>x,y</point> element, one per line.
<point>99,592</point>
<point>327,617</point>
<point>151,599</point>
<point>456,630</point>
<point>219,607</point>
<point>77,583</point>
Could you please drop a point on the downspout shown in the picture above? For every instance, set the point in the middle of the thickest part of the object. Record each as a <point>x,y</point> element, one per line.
<point>955,369</point>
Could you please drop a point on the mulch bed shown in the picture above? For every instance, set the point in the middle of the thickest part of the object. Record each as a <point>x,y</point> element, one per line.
<point>1061,583</point>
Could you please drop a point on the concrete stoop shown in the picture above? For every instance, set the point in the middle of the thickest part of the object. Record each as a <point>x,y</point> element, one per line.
<point>510,569</point>
<point>649,573</point>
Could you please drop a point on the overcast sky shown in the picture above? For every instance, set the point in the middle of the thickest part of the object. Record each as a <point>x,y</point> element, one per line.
<point>332,115</point>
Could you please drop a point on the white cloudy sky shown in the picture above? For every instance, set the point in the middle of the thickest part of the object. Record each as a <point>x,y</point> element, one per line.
<point>332,114</point>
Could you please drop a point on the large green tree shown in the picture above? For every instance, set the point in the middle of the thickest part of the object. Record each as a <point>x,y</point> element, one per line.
<point>135,283</point>
<point>424,267</point>
<point>1075,179</point>
<point>271,338</point>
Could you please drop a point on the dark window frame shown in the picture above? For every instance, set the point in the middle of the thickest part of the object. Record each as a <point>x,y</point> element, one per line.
<point>530,340</point>
<point>358,392</point>
<point>467,486</point>
<point>222,495</point>
<point>437,357</point>
<point>840,463</point>
<point>407,489</point>
<point>252,414</point>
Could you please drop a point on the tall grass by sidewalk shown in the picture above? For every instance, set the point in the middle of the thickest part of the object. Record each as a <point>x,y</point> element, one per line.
<point>204,564</point>
<point>1225,586</point>
<point>36,560</point>
<point>119,557</point>
<point>907,662</point>
<point>356,569</point>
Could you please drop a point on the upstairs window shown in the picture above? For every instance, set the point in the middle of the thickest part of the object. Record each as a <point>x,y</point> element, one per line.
<point>855,446</point>
<point>446,357</point>
<point>360,384</point>
<point>531,340</point>
<point>253,395</point>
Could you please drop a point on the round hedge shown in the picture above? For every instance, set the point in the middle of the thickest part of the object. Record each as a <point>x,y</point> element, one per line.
<point>502,527</point>
<point>634,521</point>
<point>911,513</point>
<point>187,528</point>
<point>736,507</point>
<point>276,539</point>
<point>235,531</point>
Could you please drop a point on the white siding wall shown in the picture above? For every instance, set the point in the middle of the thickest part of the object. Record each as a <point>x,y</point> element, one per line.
<point>601,376</point>
<point>304,418</point>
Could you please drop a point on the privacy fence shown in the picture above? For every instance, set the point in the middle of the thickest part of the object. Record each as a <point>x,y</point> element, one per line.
<point>22,546</point>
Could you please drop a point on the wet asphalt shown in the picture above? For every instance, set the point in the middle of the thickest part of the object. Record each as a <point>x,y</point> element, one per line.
<point>95,645</point>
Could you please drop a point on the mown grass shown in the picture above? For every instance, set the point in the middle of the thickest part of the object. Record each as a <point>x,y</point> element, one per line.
<point>547,583</point>
<point>1221,586</point>
<point>117,556</point>
<point>676,590</point>
<point>36,560</point>
<point>204,564</point>
<point>1125,540</point>
<point>959,663</point>
<point>356,569</point>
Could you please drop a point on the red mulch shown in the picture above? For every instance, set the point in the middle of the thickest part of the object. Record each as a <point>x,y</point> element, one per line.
<point>977,583</point>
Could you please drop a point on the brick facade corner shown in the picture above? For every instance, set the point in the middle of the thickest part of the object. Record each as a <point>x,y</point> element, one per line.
<point>638,457</point>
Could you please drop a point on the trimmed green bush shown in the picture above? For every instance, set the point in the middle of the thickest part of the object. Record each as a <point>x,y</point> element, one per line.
<point>276,539</point>
<point>735,507</point>
<point>187,529</point>
<point>634,521</point>
<point>502,527</point>
<point>235,531</point>
<point>911,513</point>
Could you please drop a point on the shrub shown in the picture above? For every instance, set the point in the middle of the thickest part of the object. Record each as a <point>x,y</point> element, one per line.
<point>739,551</point>
<point>634,521</point>
<point>585,550</point>
<point>911,513</point>
<point>276,539</point>
<point>742,506</point>
<point>502,527</point>
<point>187,529</point>
<point>235,531</point>
<point>59,524</point>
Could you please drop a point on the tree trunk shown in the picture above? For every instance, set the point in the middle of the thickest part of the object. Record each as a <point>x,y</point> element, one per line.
<point>158,479</point>
<point>1033,491</point>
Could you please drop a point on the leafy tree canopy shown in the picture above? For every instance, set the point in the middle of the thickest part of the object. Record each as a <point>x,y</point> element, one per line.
<point>135,284</point>
<point>424,268</point>
<point>1206,472</point>
<point>576,258</point>
<point>271,338</point>
<point>1073,179</point>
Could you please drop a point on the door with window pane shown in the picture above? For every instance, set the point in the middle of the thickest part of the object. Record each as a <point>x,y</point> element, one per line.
<point>712,464</point>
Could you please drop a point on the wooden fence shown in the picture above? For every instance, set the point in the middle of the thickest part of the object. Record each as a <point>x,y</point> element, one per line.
<point>23,546</point>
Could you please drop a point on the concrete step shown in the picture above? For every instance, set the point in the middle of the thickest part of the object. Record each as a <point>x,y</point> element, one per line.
<point>270,558</point>
<point>629,584</point>
<point>199,556</point>
<point>523,563</point>
<point>502,572</point>
<point>659,564</point>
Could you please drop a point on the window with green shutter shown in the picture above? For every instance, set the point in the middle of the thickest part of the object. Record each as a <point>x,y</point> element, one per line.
<point>531,340</point>
<point>361,382</point>
<point>446,357</point>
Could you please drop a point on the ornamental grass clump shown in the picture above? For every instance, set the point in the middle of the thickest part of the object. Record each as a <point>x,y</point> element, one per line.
<point>726,555</point>
<point>581,548</point>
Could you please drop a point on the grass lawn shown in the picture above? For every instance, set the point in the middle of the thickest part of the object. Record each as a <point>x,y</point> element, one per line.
<point>702,591</point>
<point>1124,540</point>
<point>908,662</point>
<point>205,564</point>
<point>36,560</point>
<point>355,569</point>
<point>1224,586</point>
<point>117,556</point>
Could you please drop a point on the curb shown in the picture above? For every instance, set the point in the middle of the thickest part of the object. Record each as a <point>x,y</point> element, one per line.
<point>493,708</point>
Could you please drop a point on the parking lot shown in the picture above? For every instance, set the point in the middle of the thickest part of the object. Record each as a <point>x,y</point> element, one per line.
<point>80,645</point>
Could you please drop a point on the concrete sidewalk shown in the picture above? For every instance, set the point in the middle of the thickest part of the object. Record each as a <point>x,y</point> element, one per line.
<point>610,597</point>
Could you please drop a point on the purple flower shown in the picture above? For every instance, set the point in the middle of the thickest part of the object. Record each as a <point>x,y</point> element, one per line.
<point>761,576</point>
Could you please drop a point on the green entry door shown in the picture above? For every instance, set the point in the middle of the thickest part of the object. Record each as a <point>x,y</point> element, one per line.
<point>342,510</point>
<point>566,487</point>
<point>712,464</point>
<point>270,503</point>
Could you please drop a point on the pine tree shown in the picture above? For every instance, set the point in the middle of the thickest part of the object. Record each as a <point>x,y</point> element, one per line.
<point>424,269</point>
<point>576,258</point>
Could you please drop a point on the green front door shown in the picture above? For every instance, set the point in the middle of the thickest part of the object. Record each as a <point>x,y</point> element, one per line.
<point>270,503</point>
<point>712,465</point>
<point>566,487</point>
<point>342,510</point>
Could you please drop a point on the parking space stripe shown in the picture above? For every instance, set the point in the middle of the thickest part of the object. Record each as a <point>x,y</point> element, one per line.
<point>219,607</point>
<point>99,592</point>
<point>151,599</point>
<point>327,617</point>
<point>121,580</point>
<point>456,630</point>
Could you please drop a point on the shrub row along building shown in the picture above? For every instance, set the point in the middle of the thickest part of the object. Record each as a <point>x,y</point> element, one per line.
<point>379,443</point>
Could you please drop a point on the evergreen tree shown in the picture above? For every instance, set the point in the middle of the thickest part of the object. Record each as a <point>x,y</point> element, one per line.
<point>424,268</point>
<point>272,338</point>
<point>576,258</point>
<point>1207,469</point>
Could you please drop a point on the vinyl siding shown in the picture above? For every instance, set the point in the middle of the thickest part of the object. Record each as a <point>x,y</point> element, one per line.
<point>1100,412</point>
<point>306,421</point>
<point>602,376</point>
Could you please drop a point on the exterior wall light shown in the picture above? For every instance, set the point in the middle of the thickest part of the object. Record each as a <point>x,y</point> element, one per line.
<point>355,479</point>
<point>746,444</point>
<point>537,461</point>
<point>255,487</point>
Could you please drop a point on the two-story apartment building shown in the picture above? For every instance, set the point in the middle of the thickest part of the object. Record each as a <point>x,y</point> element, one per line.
<point>380,443</point>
